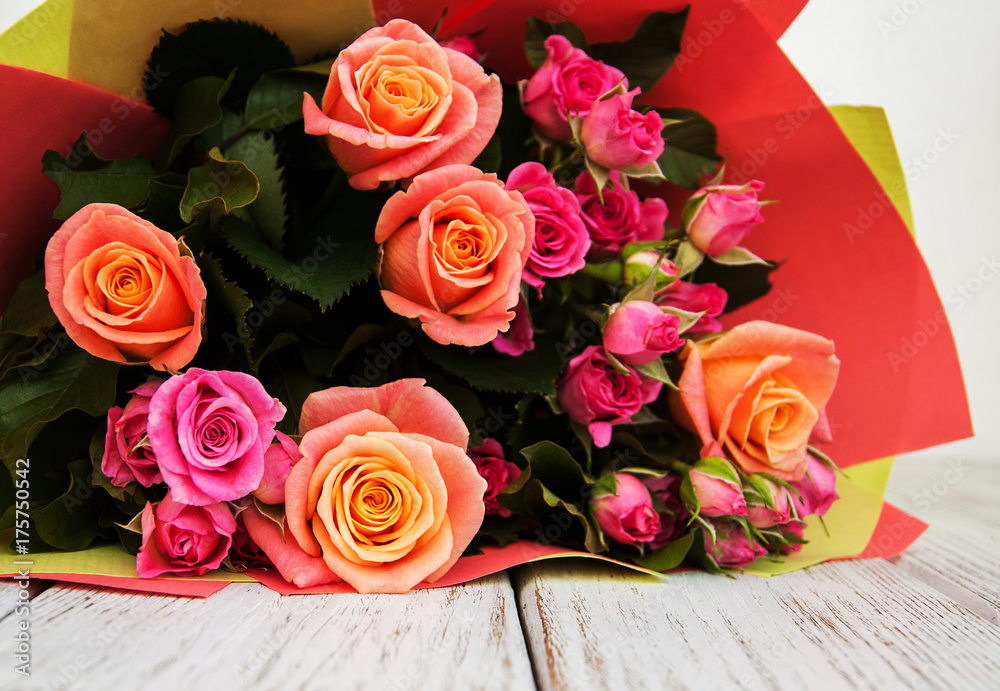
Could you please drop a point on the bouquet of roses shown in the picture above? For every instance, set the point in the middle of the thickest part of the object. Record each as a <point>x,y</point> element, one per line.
<point>369,313</point>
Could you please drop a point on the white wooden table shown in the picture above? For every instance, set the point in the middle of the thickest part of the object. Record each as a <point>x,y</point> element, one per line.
<point>928,620</point>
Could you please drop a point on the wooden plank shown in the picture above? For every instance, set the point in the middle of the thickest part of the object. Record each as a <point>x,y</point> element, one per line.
<point>461,637</point>
<point>844,625</point>
<point>10,594</point>
<point>958,554</point>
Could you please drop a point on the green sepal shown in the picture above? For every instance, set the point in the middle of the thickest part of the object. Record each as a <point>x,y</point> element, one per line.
<point>273,512</point>
<point>687,258</point>
<point>669,557</point>
<point>738,256</point>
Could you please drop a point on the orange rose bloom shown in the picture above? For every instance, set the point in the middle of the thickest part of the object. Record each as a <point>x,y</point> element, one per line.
<point>755,394</point>
<point>122,289</point>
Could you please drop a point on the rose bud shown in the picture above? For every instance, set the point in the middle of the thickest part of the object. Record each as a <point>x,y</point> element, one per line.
<point>496,470</point>
<point>695,297</point>
<point>732,548</point>
<point>569,81</point>
<point>617,137</point>
<point>717,496</point>
<point>520,337</point>
<point>719,217</point>
<point>183,540</point>
<point>762,516</point>
<point>639,265</point>
<point>639,332</point>
<point>673,522</point>
<point>627,516</point>
<point>466,45</point>
<point>620,218</point>
<point>594,393</point>
<point>818,488</point>
<point>128,455</point>
<point>561,239</point>
<point>278,461</point>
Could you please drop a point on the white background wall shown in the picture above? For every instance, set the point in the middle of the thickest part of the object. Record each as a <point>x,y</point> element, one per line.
<point>934,65</point>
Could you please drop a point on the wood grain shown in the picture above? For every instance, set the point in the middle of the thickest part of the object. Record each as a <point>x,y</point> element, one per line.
<point>845,625</point>
<point>461,637</point>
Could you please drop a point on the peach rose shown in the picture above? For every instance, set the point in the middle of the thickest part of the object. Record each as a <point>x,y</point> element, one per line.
<point>122,289</point>
<point>453,248</point>
<point>397,104</point>
<point>385,495</point>
<point>756,393</point>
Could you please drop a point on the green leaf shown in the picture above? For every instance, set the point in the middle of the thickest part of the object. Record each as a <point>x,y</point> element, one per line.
<point>236,301</point>
<point>689,147</point>
<point>99,479</point>
<point>218,187</point>
<point>538,31</point>
<point>738,256</point>
<point>72,521</point>
<point>743,284</point>
<point>340,251</point>
<point>87,178</point>
<point>292,389</point>
<point>651,50</point>
<point>491,157</point>
<point>163,206</point>
<point>71,379</point>
<point>197,109</point>
<point>28,313</point>
<point>534,372</point>
<point>688,257</point>
<point>213,48</point>
<point>554,467</point>
<point>669,557</point>
<point>269,211</point>
<point>276,99</point>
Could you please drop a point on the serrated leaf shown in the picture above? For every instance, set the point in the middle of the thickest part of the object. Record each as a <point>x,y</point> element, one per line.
<point>338,253</point>
<point>276,99</point>
<point>538,31</point>
<point>198,108</point>
<point>72,379</point>
<point>269,211</point>
<point>72,521</point>
<point>535,372</point>
<point>651,50</point>
<point>28,313</point>
<point>213,48</point>
<point>217,188</point>
<point>162,209</point>
<point>689,147</point>
<point>236,301</point>
<point>87,178</point>
<point>669,557</point>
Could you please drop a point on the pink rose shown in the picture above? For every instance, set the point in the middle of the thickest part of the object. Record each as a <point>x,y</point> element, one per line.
<point>278,461</point>
<point>596,394</point>
<point>695,297</point>
<point>561,239</point>
<point>732,547</point>
<point>639,332</point>
<point>496,470</point>
<point>818,488</point>
<point>209,431</point>
<point>466,45</point>
<point>182,539</point>
<point>718,218</point>
<point>569,81</point>
<point>620,219</point>
<point>453,248</point>
<point>123,289</point>
<point>398,104</point>
<point>755,394</point>
<point>385,495</point>
<point>617,137</point>
<point>673,521</point>
<point>761,516</point>
<point>628,516</point>
<point>717,496</point>
<point>520,337</point>
<point>128,455</point>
